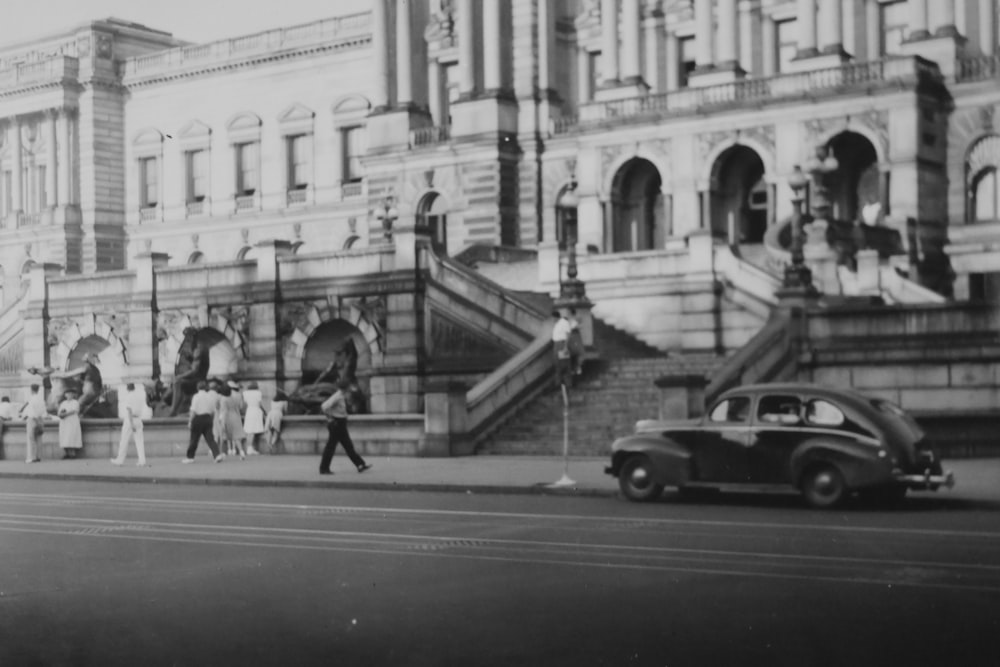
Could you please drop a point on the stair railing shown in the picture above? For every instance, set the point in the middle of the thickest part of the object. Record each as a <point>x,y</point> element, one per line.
<point>770,354</point>
<point>523,377</point>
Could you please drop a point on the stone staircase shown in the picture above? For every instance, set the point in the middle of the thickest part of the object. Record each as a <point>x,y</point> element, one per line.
<point>614,391</point>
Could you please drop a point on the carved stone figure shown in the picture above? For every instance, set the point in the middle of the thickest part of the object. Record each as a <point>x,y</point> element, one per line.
<point>307,398</point>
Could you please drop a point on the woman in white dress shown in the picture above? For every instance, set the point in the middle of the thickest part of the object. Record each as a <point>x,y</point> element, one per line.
<point>253,420</point>
<point>70,432</point>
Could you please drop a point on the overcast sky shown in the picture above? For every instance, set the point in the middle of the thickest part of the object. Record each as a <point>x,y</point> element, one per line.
<point>193,20</point>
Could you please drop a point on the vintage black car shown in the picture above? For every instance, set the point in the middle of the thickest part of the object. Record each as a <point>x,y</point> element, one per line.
<point>827,443</point>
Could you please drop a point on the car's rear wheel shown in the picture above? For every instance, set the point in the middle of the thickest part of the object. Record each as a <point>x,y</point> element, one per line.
<point>823,485</point>
<point>635,479</point>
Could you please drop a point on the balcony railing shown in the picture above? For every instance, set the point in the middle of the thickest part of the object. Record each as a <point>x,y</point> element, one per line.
<point>29,219</point>
<point>147,214</point>
<point>428,136</point>
<point>245,203</point>
<point>296,197</point>
<point>978,68</point>
<point>195,208</point>
<point>351,190</point>
<point>829,81</point>
<point>58,68</point>
<point>237,47</point>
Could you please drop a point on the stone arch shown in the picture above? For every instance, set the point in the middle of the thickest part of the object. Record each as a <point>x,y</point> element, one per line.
<point>196,257</point>
<point>637,215</point>
<point>313,317</point>
<point>855,183</point>
<point>244,120</point>
<point>246,252</point>
<point>222,344</point>
<point>982,178</point>
<point>351,104</point>
<point>737,178</point>
<point>348,244</point>
<point>148,137</point>
<point>612,171</point>
<point>71,343</point>
<point>875,138</point>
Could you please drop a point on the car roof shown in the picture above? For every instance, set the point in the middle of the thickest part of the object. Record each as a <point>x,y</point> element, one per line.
<point>845,395</point>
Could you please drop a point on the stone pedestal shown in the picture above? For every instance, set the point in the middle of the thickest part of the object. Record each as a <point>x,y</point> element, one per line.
<point>681,396</point>
<point>444,420</point>
<point>143,346</point>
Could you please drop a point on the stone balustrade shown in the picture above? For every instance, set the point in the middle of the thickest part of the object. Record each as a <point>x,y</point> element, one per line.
<point>90,287</point>
<point>844,79</point>
<point>55,69</point>
<point>429,136</point>
<point>373,260</point>
<point>165,62</point>
<point>198,278</point>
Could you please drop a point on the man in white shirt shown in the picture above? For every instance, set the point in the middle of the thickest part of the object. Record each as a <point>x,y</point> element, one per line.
<point>201,421</point>
<point>6,409</point>
<point>133,405</point>
<point>35,414</point>
<point>560,345</point>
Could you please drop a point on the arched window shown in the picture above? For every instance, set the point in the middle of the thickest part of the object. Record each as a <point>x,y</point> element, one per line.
<point>636,207</point>
<point>433,215</point>
<point>986,195</point>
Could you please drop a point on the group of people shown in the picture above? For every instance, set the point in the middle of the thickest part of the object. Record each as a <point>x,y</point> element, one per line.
<point>232,420</point>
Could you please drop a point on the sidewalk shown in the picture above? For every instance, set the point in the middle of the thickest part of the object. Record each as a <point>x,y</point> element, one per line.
<point>975,479</point>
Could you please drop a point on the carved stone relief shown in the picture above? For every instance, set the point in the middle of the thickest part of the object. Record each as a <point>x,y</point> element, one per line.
<point>375,311</point>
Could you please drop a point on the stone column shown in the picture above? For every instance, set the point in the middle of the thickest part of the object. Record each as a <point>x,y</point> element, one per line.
<point>918,20</point>
<point>143,346</point>
<point>653,24</point>
<point>673,61</point>
<point>583,72</point>
<point>404,57</point>
<point>728,42</point>
<point>988,25</point>
<point>704,34</point>
<point>265,362</point>
<point>17,169</point>
<point>631,56</point>
<point>546,46</point>
<point>831,38</point>
<point>747,14</point>
<point>380,53</point>
<point>493,33</point>
<point>466,48</point>
<point>609,41</point>
<point>806,22</point>
<point>942,18</point>
<point>64,157</point>
<point>768,35</point>
<point>873,37</point>
<point>435,92</point>
<point>50,158</point>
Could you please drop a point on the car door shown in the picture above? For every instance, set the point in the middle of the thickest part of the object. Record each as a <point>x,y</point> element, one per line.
<point>775,432</point>
<point>719,451</point>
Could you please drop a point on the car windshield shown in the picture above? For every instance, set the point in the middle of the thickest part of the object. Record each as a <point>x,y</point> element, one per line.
<point>899,419</point>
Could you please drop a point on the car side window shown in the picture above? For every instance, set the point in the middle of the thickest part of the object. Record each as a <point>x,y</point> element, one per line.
<point>823,413</point>
<point>779,409</point>
<point>733,410</point>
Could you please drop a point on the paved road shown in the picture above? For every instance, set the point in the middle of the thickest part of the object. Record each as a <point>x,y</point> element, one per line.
<point>124,574</point>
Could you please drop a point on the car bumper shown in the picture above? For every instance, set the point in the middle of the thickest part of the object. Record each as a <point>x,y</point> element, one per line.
<point>926,480</point>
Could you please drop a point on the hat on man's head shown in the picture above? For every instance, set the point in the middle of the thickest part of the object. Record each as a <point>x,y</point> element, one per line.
<point>233,384</point>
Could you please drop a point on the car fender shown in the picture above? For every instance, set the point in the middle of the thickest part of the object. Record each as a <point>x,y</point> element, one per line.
<point>671,461</point>
<point>858,462</point>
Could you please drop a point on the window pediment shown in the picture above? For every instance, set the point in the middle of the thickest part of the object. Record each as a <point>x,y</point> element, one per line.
<point>297,119</point>
<point>195,135</point>
<point>148,142</point>
<point>244,128</point>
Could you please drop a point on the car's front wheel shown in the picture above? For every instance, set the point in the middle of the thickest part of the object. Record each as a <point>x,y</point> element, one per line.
<point>823,485</point>
<point>635,479</point>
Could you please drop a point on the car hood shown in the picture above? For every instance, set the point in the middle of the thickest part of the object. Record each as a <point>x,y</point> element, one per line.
<point>661,425</point>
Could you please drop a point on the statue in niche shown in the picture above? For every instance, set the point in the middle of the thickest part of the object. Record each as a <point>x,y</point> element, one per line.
<point>307,398</point>
<point>192,367</point>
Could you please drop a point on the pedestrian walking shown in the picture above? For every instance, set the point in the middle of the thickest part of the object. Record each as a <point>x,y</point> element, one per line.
<point>230,422</point>
<point>335,409</point>
<point>201,421</point>
<point>7,412</point>
<point>136,409</point>
<point>275,417</point>
<point>70,432</point>
<point>35,413</point>
<point>575,343</point>
<point>253,420</point>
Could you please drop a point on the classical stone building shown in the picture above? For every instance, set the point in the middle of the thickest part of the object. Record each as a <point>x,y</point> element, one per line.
<point>294,185</point>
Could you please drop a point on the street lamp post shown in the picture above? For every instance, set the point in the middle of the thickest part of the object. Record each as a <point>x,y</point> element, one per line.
<point>388,214</point>
<point>797,275</point>
<point>571,289</point>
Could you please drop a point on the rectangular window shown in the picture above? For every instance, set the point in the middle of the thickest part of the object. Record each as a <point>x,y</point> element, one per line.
<point>149,183</point>
<point>354,146</point>
<point>688,60</point>
<point>894,18</point>
<point>299,161</point>
<point>197,175</point>
<point>788,44</point>
<point>246,168</point>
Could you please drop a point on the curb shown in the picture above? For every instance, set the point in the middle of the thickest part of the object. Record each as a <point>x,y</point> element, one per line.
<point>428,487</point>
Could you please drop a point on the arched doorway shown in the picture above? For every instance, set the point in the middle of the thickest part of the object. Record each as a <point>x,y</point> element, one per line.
<point>855,184</point>
<point>636,207</point>
<point>432,214</point>
<point>739,203</point>
<point>336,350</point>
